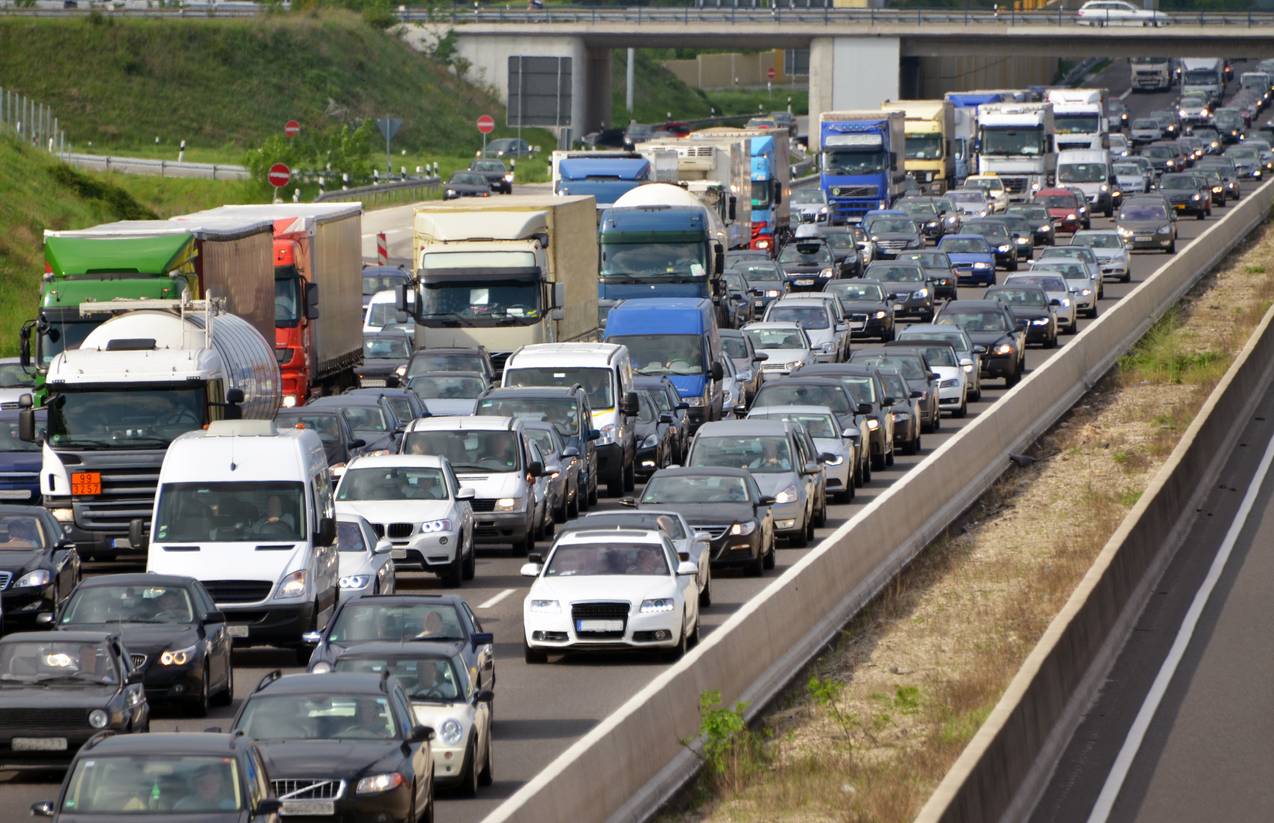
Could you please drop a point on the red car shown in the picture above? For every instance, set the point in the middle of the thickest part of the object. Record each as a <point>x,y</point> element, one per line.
<point>1063,208</point>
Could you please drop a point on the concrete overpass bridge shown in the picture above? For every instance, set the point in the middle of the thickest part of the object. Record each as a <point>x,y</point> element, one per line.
<point>555,63</point>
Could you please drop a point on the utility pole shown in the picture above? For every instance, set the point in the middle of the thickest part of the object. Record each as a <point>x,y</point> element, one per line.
<point>631,75</point>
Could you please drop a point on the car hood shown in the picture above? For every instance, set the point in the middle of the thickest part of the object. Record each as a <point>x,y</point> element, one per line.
<point>397,511</point>
<point>17,562</point>
<point>960,257</point>
<point>853,306</point>
<point>1144,226</point>
<point>145,638</point>
<point>986,338</point>
<point>132,817</point>
<point>379,365</point>
<point>1020,311</point>
<point>450,408</point>
<point>326,758</point>
<point>898,287</point>
<point>631,587</point>
<point>1132,181</point>
<point>1062,213</point>
<point>504,484</point>
<point>1107,254</point>
<point>771,483</point>
<point>782,356</point>
<point>62,696</point>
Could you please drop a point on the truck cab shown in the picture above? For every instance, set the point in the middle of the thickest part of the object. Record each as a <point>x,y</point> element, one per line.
<point>604,176</point>
<point>861,161</point>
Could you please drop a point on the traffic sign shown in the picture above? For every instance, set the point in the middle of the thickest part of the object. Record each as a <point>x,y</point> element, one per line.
<point>486,124</point>
<point>771,73</point>
<point>291,128</point>
<point>279,175</point>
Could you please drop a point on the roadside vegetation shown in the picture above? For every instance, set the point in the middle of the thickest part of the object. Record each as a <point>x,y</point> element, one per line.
<point>872,725</point>
<point>659,92</point>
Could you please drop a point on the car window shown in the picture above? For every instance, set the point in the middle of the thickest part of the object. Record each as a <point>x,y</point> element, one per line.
<point>695,489</point>
<point>137,784</point>
<point>366,622</point>
<point>422,679</point>
<point>606,559</point>
<point>130,604</point>
<point>392,483</point>
<point>756,454</point>
<point>317,717</point>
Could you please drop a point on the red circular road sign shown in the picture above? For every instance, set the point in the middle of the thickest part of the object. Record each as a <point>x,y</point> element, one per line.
<point>291,128</point>
<point>279,175</point>
<point>486,124</point>
<point>771,73</point>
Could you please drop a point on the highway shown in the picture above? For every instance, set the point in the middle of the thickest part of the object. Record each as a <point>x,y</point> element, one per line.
<point>542,709</point>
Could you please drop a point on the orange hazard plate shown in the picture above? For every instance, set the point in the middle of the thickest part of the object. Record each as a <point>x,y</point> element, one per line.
<point>84,483</point>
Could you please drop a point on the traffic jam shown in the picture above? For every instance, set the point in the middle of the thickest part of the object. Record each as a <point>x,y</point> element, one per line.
<point>270,509</point>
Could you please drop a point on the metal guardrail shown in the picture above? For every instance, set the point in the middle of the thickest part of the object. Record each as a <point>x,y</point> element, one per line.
<point>157,168</point>
<point>370,194</point>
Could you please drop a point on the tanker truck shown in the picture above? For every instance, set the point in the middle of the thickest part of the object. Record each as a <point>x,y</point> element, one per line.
<point>136,382</point>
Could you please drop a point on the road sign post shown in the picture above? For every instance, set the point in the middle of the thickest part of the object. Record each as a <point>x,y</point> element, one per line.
<point>486,125</point>
<point>278,177</point>
<point>388,126</point>
<point>770,74</point>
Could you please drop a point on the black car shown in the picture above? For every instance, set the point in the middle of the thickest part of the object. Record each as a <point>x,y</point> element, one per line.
<point>1225,167</point>
<point>668,399</point>
<point>807,264</point>
<point>916,372</point>
<point>866,307</point>
<point>999,238</point>
<point>938,271</point>
<point>654,433</point>
<point>20,461</point>
<point>845,254</point>
<point>383,354</point>
<point>174,633</point>
<point>1188,193</point>
<point>725,504</point>
<point>1029,303</point>
<point>828,390</point>
<point>747,362</point>
<point>892,235</point>
<point>1043,233</point>
<point>457,358</point>
<point>906,287</point>
<point>339,441</point>
<point>738,297</point>
<point>221,778</point>
<point>382,278</point>
<point>341,746</point>
<point>440,618</point>
<point>39,568</point>
<point>466,184</point>
<point>497,175</point>
<point>905,409</point>
<point>766,283</point>
<point>1022,231</point>
<point>371,418</point>
<point>924,211</point>
<point>991,326</point>
<point>868,391</point>
<point>58,689</point>
<point>406,404</point>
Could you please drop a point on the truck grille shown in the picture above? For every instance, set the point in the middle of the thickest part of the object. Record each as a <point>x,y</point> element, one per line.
<point>308,788</point>
<point>128,493</point>
<point>238,591</point>
<point>855,191</point>
<point>482,504</point>
<point>600,611</point>
<point>1014,185</point>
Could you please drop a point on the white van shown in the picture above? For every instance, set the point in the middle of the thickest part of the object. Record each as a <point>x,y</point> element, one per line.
<point>382,314</point>
<point>605,372</point>
<point>247,510</point>
<point>1091,172</point>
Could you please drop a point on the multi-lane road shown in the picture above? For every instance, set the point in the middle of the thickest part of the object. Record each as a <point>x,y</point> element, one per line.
<point>542,709</point>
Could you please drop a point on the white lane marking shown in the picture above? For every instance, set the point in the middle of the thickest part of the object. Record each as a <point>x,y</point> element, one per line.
<point>1124,96</point>
<point>1128,753</point>
<point>496,599</point>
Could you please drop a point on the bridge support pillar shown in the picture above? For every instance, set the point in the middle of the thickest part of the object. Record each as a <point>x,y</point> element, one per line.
<point>852,73</point>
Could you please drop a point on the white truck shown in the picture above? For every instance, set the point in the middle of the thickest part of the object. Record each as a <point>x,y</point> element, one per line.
<point>504,273</point>
<point>1150,73</point>
<point>1203,75</point>
<point>136,383</point>
<point>1016,142</point>
<point>718,172</point>
<point>1079,118</point>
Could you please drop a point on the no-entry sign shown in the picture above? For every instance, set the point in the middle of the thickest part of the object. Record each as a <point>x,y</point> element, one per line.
<point>291,128</point>
<point>279,175</point>
<point>486,124</point>
<point>771,73</point>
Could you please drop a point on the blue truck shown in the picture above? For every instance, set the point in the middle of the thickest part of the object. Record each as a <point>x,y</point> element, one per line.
<point>660,241</point>
<point>861,161</point>
<point>605,176</point>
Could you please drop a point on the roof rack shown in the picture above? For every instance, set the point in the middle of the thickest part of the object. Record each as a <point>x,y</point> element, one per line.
<point>267,680</point>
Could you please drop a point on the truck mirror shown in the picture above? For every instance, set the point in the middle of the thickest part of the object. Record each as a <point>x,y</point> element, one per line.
<point>734,207</point>
<point>26,424</point>
<point>778,192</point>
<point>137,533</point>
<point>630,403</point>
<point>718,259</point>
<point>559,295</point>
<point>717,372</point>
<point>326,531</point>
<point>24,342</point>
<point>311,302</point>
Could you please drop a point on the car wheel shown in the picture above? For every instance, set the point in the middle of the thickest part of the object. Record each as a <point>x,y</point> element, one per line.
<point>1093,311</point>
<point>770,555</point>
<point>454,573</point>
<point>963,411</point>
<point>534,656</point>
<point>821,520</point>
<point>1127,278</point>
<point>470,561</point>
<point>889,456</point>
<point>758,564</point>
<point>487,776</point>
<point>615,487</point>
<point>572,507</point>
<point>1012,379</point>
<point>705,596</point>
<point>678,651</point>
<point>561,513</point>
<point>890,335</point>
<point>802,538</point>
<point>526,545</point>
<point>694,634</point>
<point>866,472</point>
<point>878,461</point>
<point>1051,342</point>
<point>592,494</point>
<point>630,475</point>
<point>469,775</point>
<point>1202,215</point>
<point>199,705</point>
<point>915,449</point>
<point>1172,247</point>
<point>226,696</point>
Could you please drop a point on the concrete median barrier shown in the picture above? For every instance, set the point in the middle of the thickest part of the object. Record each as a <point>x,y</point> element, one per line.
<point>623,768</point>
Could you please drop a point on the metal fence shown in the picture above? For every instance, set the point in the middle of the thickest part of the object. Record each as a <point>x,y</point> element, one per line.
<point>32,121</point>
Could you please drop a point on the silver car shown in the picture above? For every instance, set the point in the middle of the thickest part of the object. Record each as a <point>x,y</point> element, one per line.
<point>1083,295</point>
<point>561,474</point>
<point>365,563</point>
<point>1082,254</point>
<point>747,361</point>
<point>828,338</point>
<point>786,347</point>
<point>970,359</point>
<point>690,545</point>
<point>448,393</point>
<point>837,449</point>
<point>1132,178</point>
<point>1112,254</point>
<point>1055,289</point>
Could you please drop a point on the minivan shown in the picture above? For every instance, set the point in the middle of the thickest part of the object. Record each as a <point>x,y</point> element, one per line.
<point>1089,171</point>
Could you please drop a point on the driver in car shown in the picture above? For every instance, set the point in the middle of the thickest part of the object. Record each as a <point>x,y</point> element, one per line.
<point>274,522</point>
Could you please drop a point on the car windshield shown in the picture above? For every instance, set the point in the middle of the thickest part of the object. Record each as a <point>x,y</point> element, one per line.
<point>991,231</point>
<point>654,260</point>
<point>349,537</point>
<point>940,356</point>
<point>317,717</point>
<point>244,512</point>
<point>856,290</point>
<point>596,382</point>
<point>924,146</point>
<point>366,418</point>
<point>466,178</point>
<point>366,622</point>
<point>806,254</point>
<point>818,425</point>
<point>967,197</point>
<point>807,196</point>
<point>153,785</point>
<point>1058,201</point>
<point>756,275</point>
<point>1145,123</point>
<point>447,387</point>
<point>426,361</point>
<point>928,259</point>
<point>1098,241</point>
<point>396,346</point>
<point>776,338</point>
<point>975,321</point>
<point>1017,297</point>
<point>380,315</point>
<point>1143,212</point>
<point>392,483</point>
<point>965,245</point>
<point>1082,173</point>
<point>13,376</point>
<point>893,225</point>
<point>895,274</point>
<point>1048,284</point>
<point>655,354</point>
<point>129,604</point>
<point>49,661</point>
<point>696,489</point>
<point>425,680</point>
<point>470,451</point>
<point>841,242</point>
<point>789,394</point>
<point>954,339</point>
<point>489,165</point>
<point>1127,169</point>
<point>607,559</point>
<point>562,412</point>
<point>807,317</point>
<point>918,208</point>
<point>543,439</point>
<point>326,426</point>
<point>736,348</point>
<point>21,532</point>
<point>378,282</point>
<point>756,454</point>
<point>854,160</point>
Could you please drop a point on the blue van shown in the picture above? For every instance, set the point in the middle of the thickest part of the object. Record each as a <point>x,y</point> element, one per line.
<point>674,337</point>
<point>20,461</point>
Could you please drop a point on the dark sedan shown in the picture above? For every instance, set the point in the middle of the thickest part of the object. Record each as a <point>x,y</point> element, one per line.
<point>849,261</point>
<point>466,184</point>
<point>382,278</point>
<point>339,441</point>
<point>668,399</point>
<point>174,633</point>
<point>726,505</point>
<point>893,235</point>
<point>1188,193</point>
<point>654,433</point>
<point>999,238</point>
<point>1147,224</point>
<point>58,689</point>
<point>383,354</point>
<point>939,271</point>
<point>991,326</point>
<point>20,461</point>
<point>807,264</point>
<point>372,419</point>
<point>905,286</point>
<point>1022,230</point>
<point>866,307</point>
<point>497,175</point>
<point>924,211</point>
<point>39,568</point>
<point>925,384</point>
<point>1031,304</point>
<point>905,409</point>
<point>318,732</point>
<point>865,385</point>
<point>765,280</point>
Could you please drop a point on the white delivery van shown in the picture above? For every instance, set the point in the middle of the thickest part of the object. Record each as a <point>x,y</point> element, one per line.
<point>1090,171</point>
<point>247,510</point>
<point>605,372</point>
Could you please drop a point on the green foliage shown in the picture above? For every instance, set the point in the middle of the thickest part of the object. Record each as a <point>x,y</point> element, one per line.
<point>731,752</point>
<point>1164,356</point>
<point>335,150</point>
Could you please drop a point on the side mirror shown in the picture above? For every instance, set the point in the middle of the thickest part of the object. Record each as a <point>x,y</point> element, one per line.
<point>966,361</point>
<point>682,406</point>
<point>535,469</point>
<point>702,535</point>
<point>979,349</point>
<point>311,302</point>
<point>687,569</point>
<point>630,404</point>
<point>530,570</point>
<point>933,375</point>
<point>717,371</point>
<point>401,301</point>
<point>718,259</point>
<point>357,443</point>
<point>326,534</point>
<point>481,639</point>
<point>559,295</point>
<point>44,808</point>
<point>1023,323</point>
<point>137,533</point>
<point>594,434</point>
<point>269,806</point>
<point>765,500</point>
<point>826,457</point>
<point>466,493</point>
<point>484,696</point>
<point>214,617</point>
<point>421,734</point>
<point>889,401</point>
<point>734,207</point>
<point>536,558</point>
<point>26,423</point>
<point>630,502</point>
<point>311,638</point>
<point>864,408</point>
<point>135,677</point>
<point>683,556</point>
<point>760,357</point>
<point>665,418</point>
<point>570,451</point>
<point>383,546</point>
<point>811,468</point>
<point>916,395</point>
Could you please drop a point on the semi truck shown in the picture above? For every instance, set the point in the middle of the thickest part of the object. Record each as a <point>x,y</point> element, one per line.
<point>607,175</point>
<point>137,381</point>
<point>1017,145</point>
<point>718,173</point>
<point>771,181</point>
<point>147,259</point>
<point>504,273</point>
<point>1150,73</point>
<point>964,105</point>
<point>1204,75</point>
<point>317,249</point>
<point>1079,118</point>
<point>660,241</point>
<point>929,126</point>
<point>861,161</point>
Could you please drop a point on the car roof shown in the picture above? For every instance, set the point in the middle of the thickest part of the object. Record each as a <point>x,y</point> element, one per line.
<point>605,535</point>
<point>59,637</point>
<point>464,423</point>
<point>974,304</point>
<point>166,743</point>
<point>771,324</point>
<point>777,411</point>
<point>135,579</point>
<point>428,461</point>
<point>533,391</point>
<point>17,509</point>
<point>740,428</point>
<point>404,600</point>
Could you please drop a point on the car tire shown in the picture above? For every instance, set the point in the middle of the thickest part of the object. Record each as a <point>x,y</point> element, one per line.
<point>802,538</point>
<point>705,596</point>
<point>487,776</point>
<point>615,487</point>
<point>469,775</point>
<point>1127,278</point>
<point>889,456</point>
<point>1172,247</point>
<point>534,656</point>
<point>770,556</point>
<point>226,696</point>
<point>199,704</point>
<point>470,562</point>
<point>592,494</point>
<point>452,576</point>
<point>1051,343</point>
<point>526,545</point>
<point>1012,379</point>
<point>678,651</point>
<point>866,472</point>
<point>573,506</point>
<point>963,411</point>
<point>630,474</point>
<point>821,520</point>
<point>1202,215</point>
<point>890,336</point>
<point>1092,313</point>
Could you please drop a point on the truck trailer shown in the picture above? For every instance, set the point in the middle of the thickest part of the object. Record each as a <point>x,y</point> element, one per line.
<point>771,179</point>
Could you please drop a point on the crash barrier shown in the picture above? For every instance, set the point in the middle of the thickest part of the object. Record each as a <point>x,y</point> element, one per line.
<point>628,764</point>
<point>1004,769</point>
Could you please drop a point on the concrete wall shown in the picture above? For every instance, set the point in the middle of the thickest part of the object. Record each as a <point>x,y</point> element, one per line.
<point>853,73</point>
<point>939,75</point>
<point>721,71</point>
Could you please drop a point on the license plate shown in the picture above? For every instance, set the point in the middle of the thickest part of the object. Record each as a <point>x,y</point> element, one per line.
<point>398,554</point>
<point>599,625</point>
<point>372,382</point>
<point>1144,238</point>
<point>308,807</point>
<point>899,307</point>
<point>805,281</point>
<point>1180,207</point>
<point>14,494</point>
<point>237,631</point>
<point>857,326</point>
<point>39,744</point>
<point>121,543</point>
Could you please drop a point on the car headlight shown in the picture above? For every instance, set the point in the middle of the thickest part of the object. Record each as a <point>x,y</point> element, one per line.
<point>696,401</point>
<point>607,434</point>
<point>650,442</point>
<point>1002,349</point>
<point>981,265</point>
<point>177,657</point>
<point>431,526</point>
<point>1021,241</point>
<point>1164,230</point>
<point>657,605</point>
<point>1181,112</point>
<point>932,224</point>
<point>451,732</point>
<point>795,364</point>
<point>743,529</point>
<point>506,504</point>
<point>545,606</point>
<point>508,178</point>
<point>874,237</point>
<point>1086,292</point>
<point>920,294</point>
<point>1066,301</point>
<point>63,515</point>
<point>1194,197</point>
<point>293,585</point>
<point>873,424</point>
<point>378,783</point>
<point>354,581</point>
<point>968,368</point>
<point>451,192</point>
<point>772,293</point>
<point>882,314</point>
<point>1040,321</point>
<point>98,719</point>
<point>322,667</point>
<point>39,577</point>
<point>788,495</point>
<point>825,273</point>
<point>1104,187</point>
<point>1123,231</point>
<point>1072,216</point>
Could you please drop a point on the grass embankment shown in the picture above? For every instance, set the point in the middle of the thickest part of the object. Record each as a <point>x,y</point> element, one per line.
<point>659,92</point>
<point>868,731</point>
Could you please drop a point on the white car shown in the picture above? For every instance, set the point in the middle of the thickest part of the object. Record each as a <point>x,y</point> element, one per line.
<point>416,502</point>
<point>943,360</point>
<point>970,202</point>
<point>828,338</point>
<point>1112,254</point>
<point>690,544</point>
<point>1079,254</point>
<point>1082,293</point>
<point>364,557</point>
<point>993,187</point>
<point>382,314</point>
<point>1118,13</point>
<point>959,339</point>
<point>607,589</point>
<point>786,345</point>
<point>1055,288</point>
<point>731,389</point>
